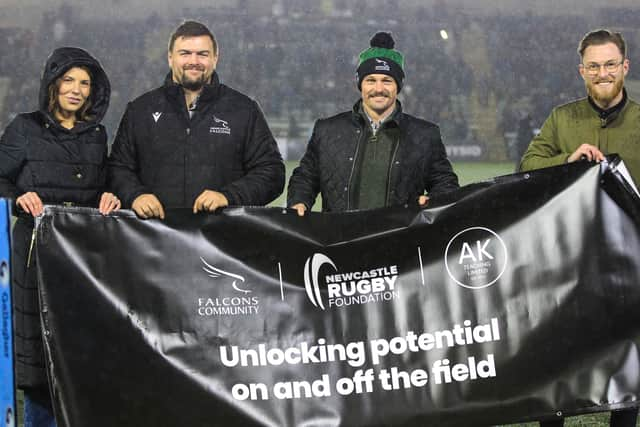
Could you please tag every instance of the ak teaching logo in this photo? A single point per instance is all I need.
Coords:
(343, 289)
(476, 258)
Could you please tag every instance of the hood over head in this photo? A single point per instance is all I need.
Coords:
(64, 58)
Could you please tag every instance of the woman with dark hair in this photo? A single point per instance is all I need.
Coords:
(56, 155)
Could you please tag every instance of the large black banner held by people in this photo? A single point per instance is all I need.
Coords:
(514, 299)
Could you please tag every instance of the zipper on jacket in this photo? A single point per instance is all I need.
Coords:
(393, 157)
(353, 167)
(33, 241)
(185, 159)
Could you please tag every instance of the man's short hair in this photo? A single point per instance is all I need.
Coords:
(600, 37)
(192, 29)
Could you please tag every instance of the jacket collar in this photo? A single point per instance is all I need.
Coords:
(359, 116)
(209, 91)
(609, 115)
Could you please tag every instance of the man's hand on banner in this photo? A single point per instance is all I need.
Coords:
(300, 207)
(148, 206)
(30, 202)
(210, 200)
(587, 151)
(108, 203)
(423, 201)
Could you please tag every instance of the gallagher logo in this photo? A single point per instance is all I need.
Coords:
(224, 305)
(353, 288)
(383, 66)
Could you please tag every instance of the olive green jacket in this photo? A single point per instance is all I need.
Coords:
(577, 123)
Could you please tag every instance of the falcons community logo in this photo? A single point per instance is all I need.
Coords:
(216, 272)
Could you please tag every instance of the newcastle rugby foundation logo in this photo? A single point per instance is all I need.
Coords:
(344, 289)
(239, 304)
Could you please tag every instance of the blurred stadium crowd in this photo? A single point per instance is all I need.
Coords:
(488, 80)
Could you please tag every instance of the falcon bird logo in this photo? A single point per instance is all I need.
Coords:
(224, 123)
(216, 272)
(383, 65)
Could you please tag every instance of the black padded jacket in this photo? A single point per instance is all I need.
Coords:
(62, 166)
(419, 162)
(225, 146)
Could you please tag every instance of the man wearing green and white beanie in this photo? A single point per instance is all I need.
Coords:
(374, 155)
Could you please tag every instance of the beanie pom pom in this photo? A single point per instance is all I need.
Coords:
(383, 40)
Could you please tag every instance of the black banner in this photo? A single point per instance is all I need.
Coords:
(511, 300)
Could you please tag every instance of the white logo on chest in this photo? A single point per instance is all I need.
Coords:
(222, 126)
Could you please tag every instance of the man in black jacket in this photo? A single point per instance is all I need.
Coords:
(374, 155)
(194, 142)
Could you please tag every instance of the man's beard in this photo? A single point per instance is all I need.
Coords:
(604, 99)
(191, 84)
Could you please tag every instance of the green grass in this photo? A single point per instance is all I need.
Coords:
(591, 420)
(473, 172)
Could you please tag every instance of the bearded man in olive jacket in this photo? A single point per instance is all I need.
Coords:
(607, 121)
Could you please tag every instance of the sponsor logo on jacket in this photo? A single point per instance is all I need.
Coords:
(221, 126)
